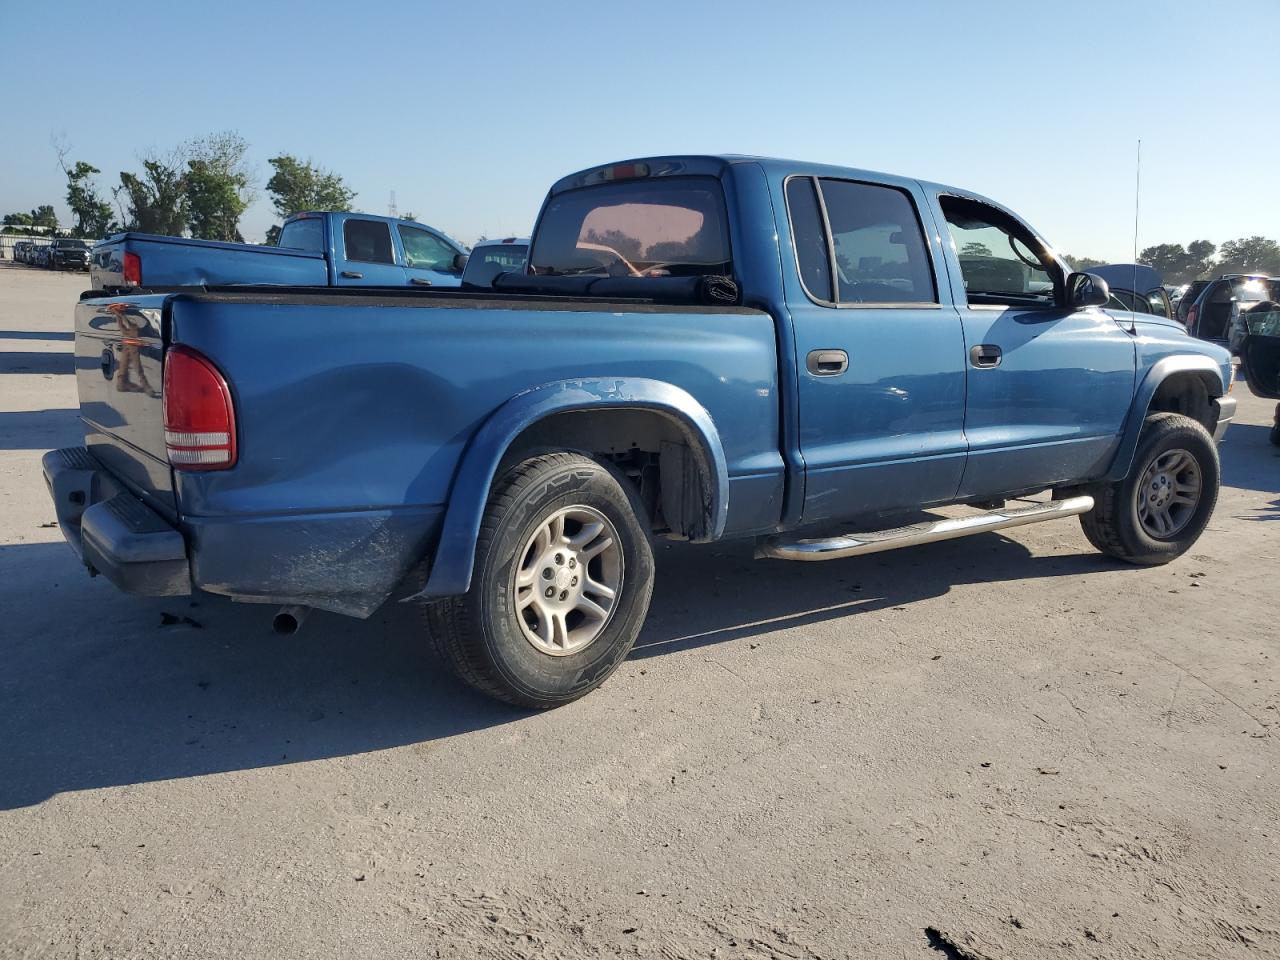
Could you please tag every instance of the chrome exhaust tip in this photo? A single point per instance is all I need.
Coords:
(288, 619)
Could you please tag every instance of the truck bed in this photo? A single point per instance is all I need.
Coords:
(179, 261)
(353, 411)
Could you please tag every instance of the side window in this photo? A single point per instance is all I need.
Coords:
(368, 241)
(425, 250)
(810, 238)
(305, 234)
(1000, 261)
(880, 250)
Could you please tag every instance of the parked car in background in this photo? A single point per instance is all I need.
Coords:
(67, 253)
(489, 258)
(783, 346)
(1220, 304)
(1135, 287)
(20, 248)
(39, 255)
(1189, 294)
(314, 250)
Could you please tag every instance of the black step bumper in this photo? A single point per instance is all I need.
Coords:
(111, 530)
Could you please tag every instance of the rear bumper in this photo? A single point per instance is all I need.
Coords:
(1226, 413)
(111, 530)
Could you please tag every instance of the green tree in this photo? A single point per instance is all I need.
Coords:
(156, 201)
(44, 216)
(218, 185)
(975, 249)
(1083, 263)
(92, 212)
(298, 185)
(19, 219)
(1177, 265)
(1201, 253)
(1249, 255)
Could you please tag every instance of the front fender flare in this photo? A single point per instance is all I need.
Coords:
(1160, 371)
(455, 553)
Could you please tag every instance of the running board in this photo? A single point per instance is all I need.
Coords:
(855, 545)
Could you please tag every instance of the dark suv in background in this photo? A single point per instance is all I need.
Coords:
(1216, 311)
(68, 254)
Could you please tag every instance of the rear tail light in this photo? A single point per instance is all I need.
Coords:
(199, 417)
(1192, 315)
(132, 270)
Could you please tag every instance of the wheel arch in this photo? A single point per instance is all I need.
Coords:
(1182, 384)
(515, 426)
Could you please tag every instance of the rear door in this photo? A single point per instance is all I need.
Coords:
(428, 258)
(879, 348)
(119, 375)
(367, 253)
(1049, 386)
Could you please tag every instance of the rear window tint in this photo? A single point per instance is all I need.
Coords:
(368, 241)
(661, 227)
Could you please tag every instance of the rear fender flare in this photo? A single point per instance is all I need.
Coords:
(455, 554)
(1160, 371)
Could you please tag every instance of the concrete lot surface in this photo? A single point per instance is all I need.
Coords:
(998, 747)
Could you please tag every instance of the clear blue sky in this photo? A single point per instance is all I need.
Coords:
(468, 111)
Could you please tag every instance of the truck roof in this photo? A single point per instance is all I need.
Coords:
(715, 165)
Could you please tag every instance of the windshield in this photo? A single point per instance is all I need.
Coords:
(71, 245)
(669, 227)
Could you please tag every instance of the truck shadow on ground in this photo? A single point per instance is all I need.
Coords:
(40, 429)
(100, 689)
(105, 690)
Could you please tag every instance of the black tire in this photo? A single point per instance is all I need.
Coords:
(479, 634)
(1113, 525)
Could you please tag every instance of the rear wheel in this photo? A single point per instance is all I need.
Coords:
(1160, 509)
(561, 585)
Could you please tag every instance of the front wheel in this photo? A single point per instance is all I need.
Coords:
(561, 585)
(1160, 509)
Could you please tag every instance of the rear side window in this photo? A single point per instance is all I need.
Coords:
(880, 250)
(368, 241)
(660, 227)
(305, 234)
(810, 238)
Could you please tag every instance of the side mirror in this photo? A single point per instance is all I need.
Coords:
(460, 262)
(1087, 290)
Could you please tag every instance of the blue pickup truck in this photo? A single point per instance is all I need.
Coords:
(314, 250)
(698, 348)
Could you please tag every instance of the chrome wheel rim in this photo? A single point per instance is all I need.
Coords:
(1168, 494)
(568, 580)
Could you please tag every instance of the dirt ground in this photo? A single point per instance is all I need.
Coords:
(998, 747)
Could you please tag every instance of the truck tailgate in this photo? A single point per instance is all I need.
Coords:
(119, 355)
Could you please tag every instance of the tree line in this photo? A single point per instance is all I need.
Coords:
(201, 189)
(1200, 259)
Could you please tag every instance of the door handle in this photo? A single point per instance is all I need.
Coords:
(352, 275)
(827, 363)
(420, 281)
(985, 355)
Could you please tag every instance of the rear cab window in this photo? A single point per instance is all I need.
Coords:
(304, 234)
(367, 241)
(659, 227)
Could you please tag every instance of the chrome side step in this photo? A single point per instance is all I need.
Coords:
(854, 545)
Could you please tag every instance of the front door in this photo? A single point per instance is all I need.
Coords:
(879, 347)
(428, 259)
(1049, 386)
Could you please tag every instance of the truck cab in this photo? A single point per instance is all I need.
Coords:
(365, 250)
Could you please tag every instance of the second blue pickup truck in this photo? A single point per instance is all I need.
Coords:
(314, 250)
(698, 348)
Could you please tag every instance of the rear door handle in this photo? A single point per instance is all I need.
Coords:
(985, 355)
(827, 363)
(420, 281)
(352, 275)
